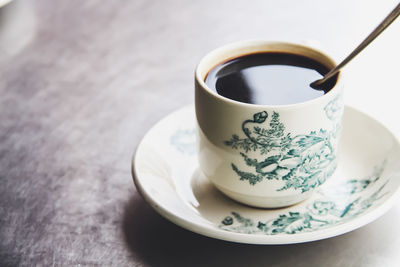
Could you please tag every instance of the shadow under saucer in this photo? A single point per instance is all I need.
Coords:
(157, 242)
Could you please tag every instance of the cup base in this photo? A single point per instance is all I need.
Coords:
(264, 202)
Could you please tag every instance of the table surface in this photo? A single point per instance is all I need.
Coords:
(81, 82)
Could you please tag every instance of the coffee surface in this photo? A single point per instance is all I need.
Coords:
(268, 79)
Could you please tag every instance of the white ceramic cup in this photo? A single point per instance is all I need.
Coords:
(266, 155)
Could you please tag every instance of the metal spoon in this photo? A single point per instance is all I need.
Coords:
(380, 28)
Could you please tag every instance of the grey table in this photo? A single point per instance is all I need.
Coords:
(82, 81)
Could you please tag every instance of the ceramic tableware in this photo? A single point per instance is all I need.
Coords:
(266, 155)
(365, 185)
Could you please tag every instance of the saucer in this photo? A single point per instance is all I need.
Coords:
(364, 186)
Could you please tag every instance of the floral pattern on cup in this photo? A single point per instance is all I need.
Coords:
(302, 162)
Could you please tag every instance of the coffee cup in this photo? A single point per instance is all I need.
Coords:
(266, 155)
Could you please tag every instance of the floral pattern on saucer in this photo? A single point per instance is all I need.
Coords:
(326, 210)
(184, 140)
(165, 171)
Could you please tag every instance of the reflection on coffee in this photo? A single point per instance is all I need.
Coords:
(268, 78)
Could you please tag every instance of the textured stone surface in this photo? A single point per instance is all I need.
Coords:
(82, 81)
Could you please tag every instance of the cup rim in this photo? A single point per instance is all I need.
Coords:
(237, 49)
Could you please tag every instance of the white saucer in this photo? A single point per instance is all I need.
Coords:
(363, 188)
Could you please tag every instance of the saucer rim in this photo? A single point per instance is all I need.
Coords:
(211, 231)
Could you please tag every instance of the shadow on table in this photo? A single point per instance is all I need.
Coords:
(157, 242)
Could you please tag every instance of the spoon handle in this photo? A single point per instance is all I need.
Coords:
(380, 28)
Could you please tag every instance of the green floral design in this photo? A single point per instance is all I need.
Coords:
(334, 109)
(332, 207)
(302, 162)
(184, 140)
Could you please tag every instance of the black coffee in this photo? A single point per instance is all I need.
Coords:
(268, 78)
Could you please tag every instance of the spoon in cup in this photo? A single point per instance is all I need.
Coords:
(379, 29)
